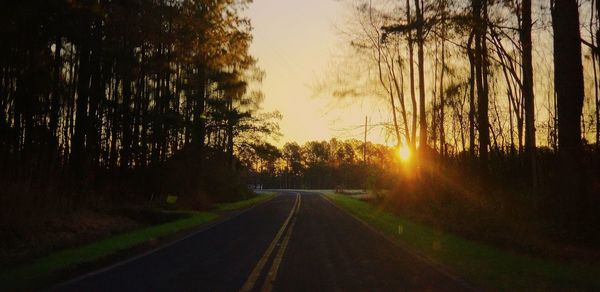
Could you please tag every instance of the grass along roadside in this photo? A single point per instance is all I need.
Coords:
(244, 203)
(44, 269)
(480, 264)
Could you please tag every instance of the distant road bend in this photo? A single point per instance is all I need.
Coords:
(297, 241)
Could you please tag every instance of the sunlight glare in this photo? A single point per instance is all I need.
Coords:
(404, 153)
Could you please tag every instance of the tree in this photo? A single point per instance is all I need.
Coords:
(124, 87)
(411, 65)
(568, 82)
(421, 71)
(479, 9)
(528, 95)
(294, 160)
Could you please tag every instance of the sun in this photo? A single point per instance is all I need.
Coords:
(404, 153)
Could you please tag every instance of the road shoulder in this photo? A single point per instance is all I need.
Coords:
(479, 264)
(446, 271)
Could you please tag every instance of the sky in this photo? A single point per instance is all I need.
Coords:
(297, 42)
(294, 41)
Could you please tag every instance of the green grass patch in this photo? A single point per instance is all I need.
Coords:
(44, 269)
(483, 265)
(245, 203)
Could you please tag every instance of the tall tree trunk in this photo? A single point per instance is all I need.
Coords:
(139, 135)
(484, 131)
(511, 127)
(156, 123)
(568, 78)
(421, 64)
(399, 85)
(596, 61)
(54, 109)
(568, 83)
(527, 91)
(81, 111)
(471, 55)
(394, 116)
(230, 133)
(199, 130)
(434, 96)
(411, 70)
(114, 126)
(479, 15)
(442, 92)
(97, 94)
(126, 107)
(389, 89)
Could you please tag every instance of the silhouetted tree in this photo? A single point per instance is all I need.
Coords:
(568, 82)
(97, 91)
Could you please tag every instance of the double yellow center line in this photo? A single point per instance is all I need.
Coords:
(272, 274)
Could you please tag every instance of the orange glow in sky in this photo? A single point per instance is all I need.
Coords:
(294, 41)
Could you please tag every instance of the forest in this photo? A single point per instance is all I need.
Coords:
(492, 108)
(498, 102)
(122, 103)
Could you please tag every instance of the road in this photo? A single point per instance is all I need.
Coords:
(294, 242)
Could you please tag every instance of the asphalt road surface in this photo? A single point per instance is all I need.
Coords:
(294, 242)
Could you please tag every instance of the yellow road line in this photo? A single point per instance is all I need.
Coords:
(272, 275)
(251, 281)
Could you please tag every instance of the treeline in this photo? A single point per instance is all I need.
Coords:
(490, 95)
(332, 164)
(480, 77)
(125, 99)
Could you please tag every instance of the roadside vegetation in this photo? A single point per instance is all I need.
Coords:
(42, 271)
(225, 207)
(109, 110)
(491, 110)
(484, 265)
(447, 193)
